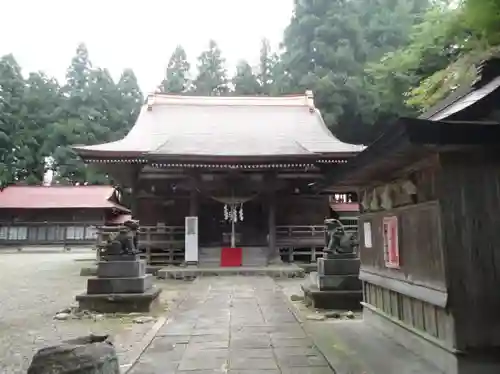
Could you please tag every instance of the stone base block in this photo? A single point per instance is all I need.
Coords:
(336, 300)
(337, 256)
(105, 257)
(119, 285)
(284, 271)
(339, 282)
(340, 266)
(119, 303)
(121, 269)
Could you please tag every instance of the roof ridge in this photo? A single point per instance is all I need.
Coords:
(57, 186)
(305, 100)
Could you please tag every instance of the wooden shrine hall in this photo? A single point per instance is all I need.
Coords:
(428, 229)
(236, 171)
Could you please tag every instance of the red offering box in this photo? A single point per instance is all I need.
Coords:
(231, 257)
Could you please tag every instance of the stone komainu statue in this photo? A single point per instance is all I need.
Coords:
(337, 240)
(125, 241)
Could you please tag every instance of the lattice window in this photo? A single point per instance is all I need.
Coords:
(4, 232)
(17, 233)
(90, 233)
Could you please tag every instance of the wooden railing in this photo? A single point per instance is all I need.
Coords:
(46, 233)
(159, 245)
(164, 245)
(306, 243)
(303, 243)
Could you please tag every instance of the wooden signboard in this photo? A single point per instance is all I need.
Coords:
(391, 242)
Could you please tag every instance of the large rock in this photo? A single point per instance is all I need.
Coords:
(86, 355)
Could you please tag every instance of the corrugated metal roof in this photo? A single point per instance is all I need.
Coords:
(227, 126)
(60, 197)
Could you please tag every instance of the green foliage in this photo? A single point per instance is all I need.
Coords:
(483, 16)
(245, 81)
(442, 54)
(177, 74)
(40, 121)
(327, 47)
(267, 62)
(212, 75)
(433, 43)
(366, 62)
(12, 111)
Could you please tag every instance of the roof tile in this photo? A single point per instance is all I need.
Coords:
(61, 197)
(227, 126)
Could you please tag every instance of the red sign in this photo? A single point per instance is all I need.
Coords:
(391, 242)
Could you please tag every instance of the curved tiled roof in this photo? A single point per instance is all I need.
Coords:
(171, 125)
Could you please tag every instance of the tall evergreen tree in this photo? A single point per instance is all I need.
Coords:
(131, 99)
(12, 109)
(329, 43)
(177, 74)
(88, 106)
(245, 81)
(212, 75)
(44, 101)
(266, 67)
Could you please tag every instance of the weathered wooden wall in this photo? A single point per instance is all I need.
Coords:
(50, 226)
(168, 210)
(52, 215)
(469, 189)
(420, 247)
(415, 293)
(301, 209)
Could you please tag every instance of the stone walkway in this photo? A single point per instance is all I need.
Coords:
(237, 325)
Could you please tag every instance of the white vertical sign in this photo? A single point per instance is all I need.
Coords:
(191, 240)
(367, 234)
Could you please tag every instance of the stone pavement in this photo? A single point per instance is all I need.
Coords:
(238, 325)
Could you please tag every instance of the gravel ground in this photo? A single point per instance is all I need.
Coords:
(35, 285)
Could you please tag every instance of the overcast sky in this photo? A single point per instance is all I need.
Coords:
(43, 34)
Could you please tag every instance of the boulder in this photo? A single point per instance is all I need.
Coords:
(85, 355)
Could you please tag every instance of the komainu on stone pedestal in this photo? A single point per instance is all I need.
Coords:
(121, 285)
(336, 284)
(86, 355)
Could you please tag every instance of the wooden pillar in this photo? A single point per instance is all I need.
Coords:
(273, 250)
(134, 185)
(193, 203)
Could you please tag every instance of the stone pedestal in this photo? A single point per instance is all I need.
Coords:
(121, 286)
(336, 284)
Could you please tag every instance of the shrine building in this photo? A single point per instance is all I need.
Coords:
(242, 167)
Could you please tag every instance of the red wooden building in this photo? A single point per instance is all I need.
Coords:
(56, 214)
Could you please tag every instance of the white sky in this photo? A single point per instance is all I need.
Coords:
(43, 34)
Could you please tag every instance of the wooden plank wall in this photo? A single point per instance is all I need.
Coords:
(420, 247)
(470, 209)
(422, 316)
